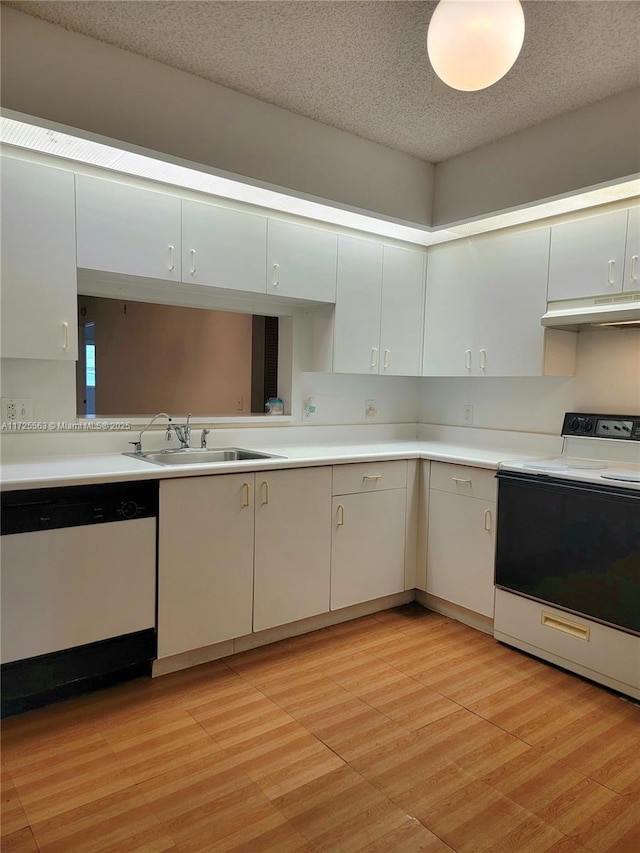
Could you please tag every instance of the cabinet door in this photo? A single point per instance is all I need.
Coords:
(402, 311)
(356, 331)
(587, 256)
(367, 558)
(449, 311)
(301, 261)
(293, 546)
(511, 298)
(224, 248)
(124, 229)
(39, 291)
(632, 254)
(460, 550)
(205, 561)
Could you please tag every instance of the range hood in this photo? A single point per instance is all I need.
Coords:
(621, 310)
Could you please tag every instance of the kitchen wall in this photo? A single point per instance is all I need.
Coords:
(607, 380)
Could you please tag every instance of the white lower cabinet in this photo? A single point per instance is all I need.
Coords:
(239, 552)
(461, 536)
(293, 546)
(368, 534)
(205, 561)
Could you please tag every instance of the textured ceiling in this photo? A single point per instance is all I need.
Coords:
(362, 66)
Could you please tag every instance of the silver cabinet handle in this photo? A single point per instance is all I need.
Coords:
(265, 493)
(610, 278)
(246, 488)
(467, 359)
(461, 482)
(65, 336)
(374, 356)
(372, 477)
(340, 515)
(634, 263)
(482, 359)
(387, 358)
(276, 275)
(194, 267)
(487, 520)
(172, 258)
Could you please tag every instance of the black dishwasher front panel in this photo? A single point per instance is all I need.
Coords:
(573, 545)
(27, 510)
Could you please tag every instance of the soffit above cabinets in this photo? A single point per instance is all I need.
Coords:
(362, 67)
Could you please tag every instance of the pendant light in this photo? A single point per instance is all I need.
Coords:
(473, 43)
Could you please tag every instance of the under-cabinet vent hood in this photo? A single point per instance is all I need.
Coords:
(572, 314)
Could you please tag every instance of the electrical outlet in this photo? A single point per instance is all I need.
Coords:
(17, 409)
(310, 407)
(370, 410)
(240, 404)
(467, 415)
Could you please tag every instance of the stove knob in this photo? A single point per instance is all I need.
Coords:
(574, 424)
(587, 426)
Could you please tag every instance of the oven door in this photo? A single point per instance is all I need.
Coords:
(573, 545)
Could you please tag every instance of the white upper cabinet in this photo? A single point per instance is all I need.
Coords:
(223, 248)
(301, 261)
(485, 298)
(125, 229)
(377, 326)
(358, 304)
(402, 311)
(587, 256)
(631, 280)
(39, 291)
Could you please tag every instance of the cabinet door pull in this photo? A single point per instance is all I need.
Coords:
(65, 336)
(374, 356)
(482, 359)
(172, 258)
(610, 278)
(372, 477)
(387, 357)
(194, 267)
(246, 500)
(634, 263)
(461, 482)
(487, 520)
(574, 629)
(467, 359)
(340, 515)
(276, 275)
(265, 493)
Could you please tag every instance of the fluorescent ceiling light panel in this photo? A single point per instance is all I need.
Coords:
(59, 143)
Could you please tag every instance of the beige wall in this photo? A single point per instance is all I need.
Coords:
(68, 78)
(593, 145)
(161, 358)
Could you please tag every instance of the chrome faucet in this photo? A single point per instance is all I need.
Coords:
(203, 439)
(183, 432)
(137, 445)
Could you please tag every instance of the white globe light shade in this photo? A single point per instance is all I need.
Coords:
(473, 43)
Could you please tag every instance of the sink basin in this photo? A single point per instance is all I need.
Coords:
(196, 456)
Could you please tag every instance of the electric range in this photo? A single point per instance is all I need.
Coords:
(568, 552)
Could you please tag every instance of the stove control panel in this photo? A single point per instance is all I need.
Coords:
(621, 427)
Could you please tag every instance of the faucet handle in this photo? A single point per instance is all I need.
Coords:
(137, 446)
(203, 439)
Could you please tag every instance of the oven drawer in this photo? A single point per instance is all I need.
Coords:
(596, 651)
(369, 477)
(464, 480)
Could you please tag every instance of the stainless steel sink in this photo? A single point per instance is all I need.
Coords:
(196, 456)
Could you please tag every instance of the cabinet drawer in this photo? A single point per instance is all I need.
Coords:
(464, 480)
(369, 477)
(567, 639)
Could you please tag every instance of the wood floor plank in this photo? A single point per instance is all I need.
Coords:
(397, 732)
(21, 841)
(120, 823)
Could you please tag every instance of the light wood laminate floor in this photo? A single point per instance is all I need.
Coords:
(399, 732)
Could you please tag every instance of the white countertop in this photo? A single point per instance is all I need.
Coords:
(112, 467)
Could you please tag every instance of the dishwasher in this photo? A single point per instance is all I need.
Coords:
(78, 585)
